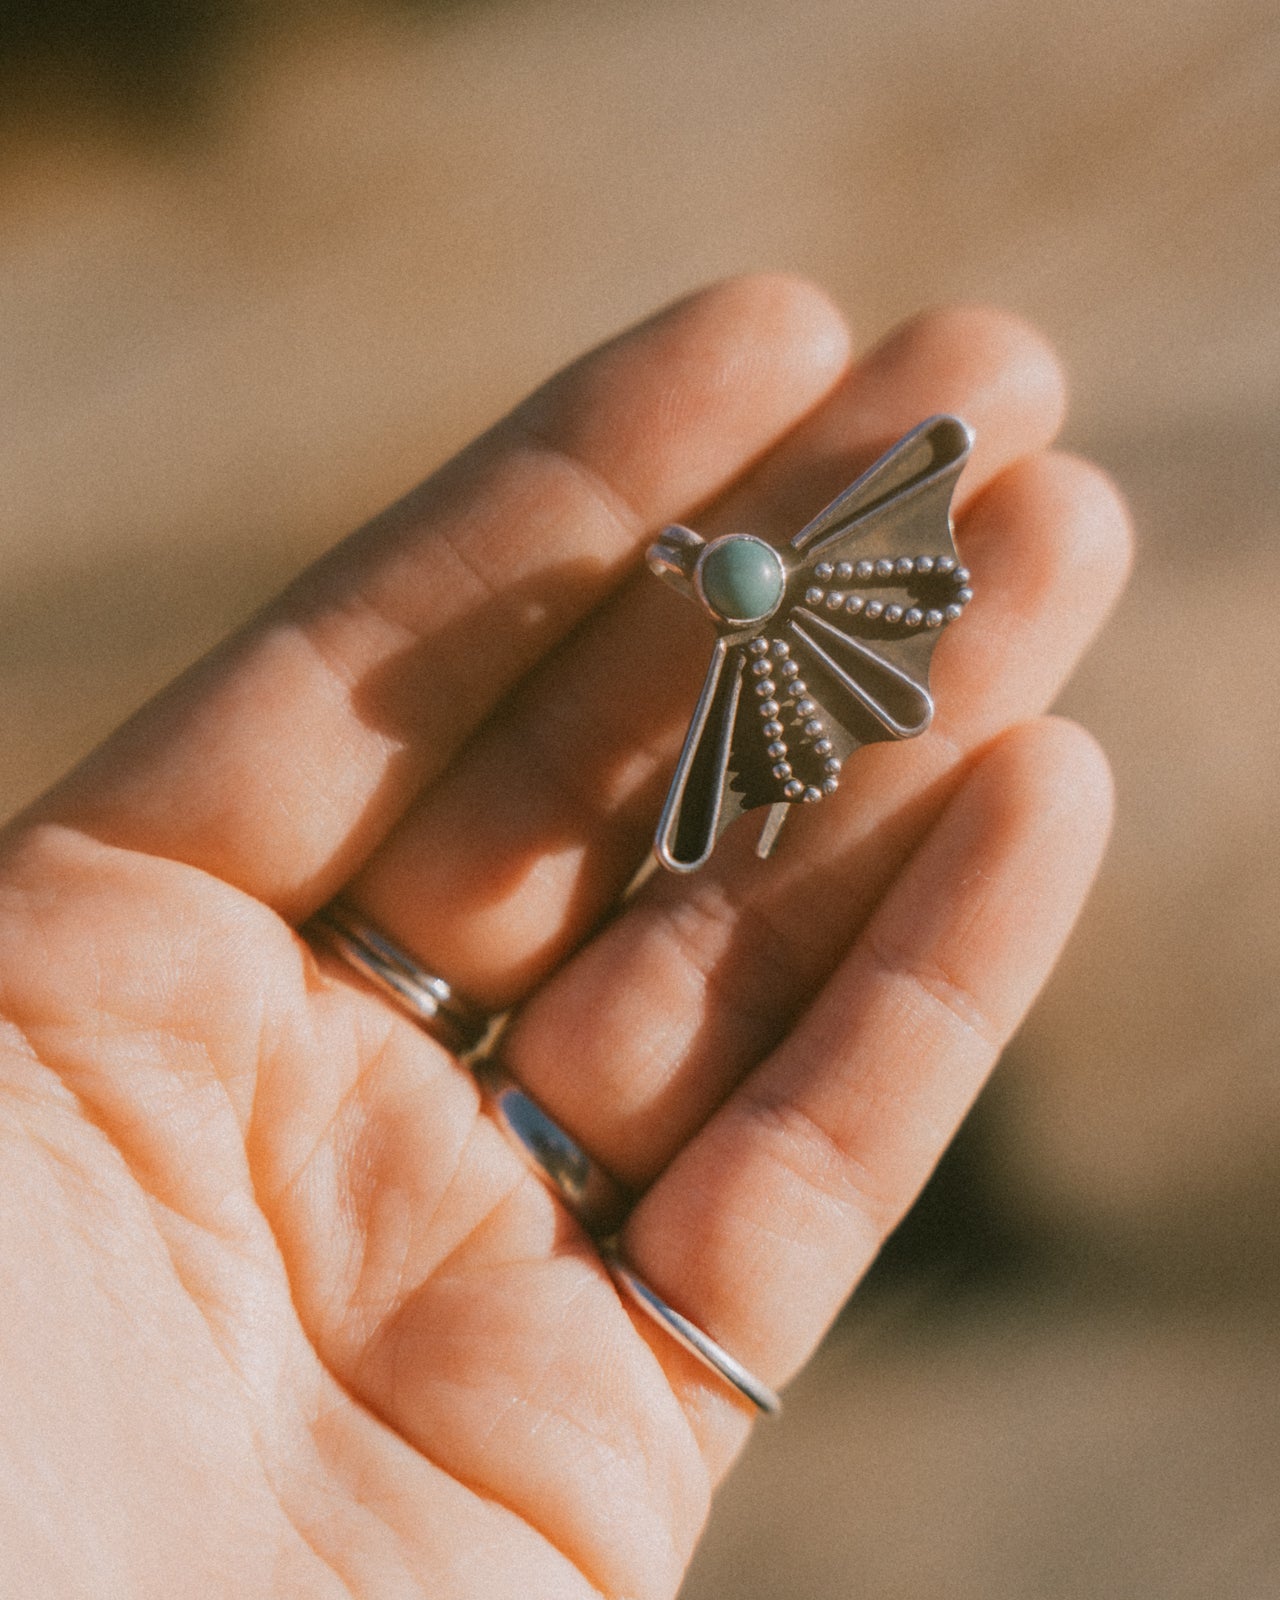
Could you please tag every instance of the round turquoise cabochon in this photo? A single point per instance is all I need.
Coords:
(741, 578)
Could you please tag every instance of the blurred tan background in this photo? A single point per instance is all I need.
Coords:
(261, 269)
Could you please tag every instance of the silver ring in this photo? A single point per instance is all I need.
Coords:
(598, 1200)
(428, 999)
(692, 1337)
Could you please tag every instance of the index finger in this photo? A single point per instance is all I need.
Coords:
(280, 760)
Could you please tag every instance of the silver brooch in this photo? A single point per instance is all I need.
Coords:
(824, 645)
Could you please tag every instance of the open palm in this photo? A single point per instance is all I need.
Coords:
(283, 1314)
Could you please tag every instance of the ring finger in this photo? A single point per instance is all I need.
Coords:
(640, 1035)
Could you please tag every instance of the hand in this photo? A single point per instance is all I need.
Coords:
(283, 1313)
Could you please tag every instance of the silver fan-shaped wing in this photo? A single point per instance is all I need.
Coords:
(907, 485)
(722, 770)
(870, 673)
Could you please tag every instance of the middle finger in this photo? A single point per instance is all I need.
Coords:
(505, 864)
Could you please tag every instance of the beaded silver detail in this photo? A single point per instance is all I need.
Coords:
(903, 570)
(803, 736)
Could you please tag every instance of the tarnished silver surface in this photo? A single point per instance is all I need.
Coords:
(839, 659)
(691, 1336)
(428, 999)
(596, 1199)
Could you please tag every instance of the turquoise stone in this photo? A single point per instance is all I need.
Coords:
(741, 579)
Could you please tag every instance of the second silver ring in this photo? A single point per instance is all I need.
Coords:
(596, 1198)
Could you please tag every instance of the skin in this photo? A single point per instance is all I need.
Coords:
(284, 1315)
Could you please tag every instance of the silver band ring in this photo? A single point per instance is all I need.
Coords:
(692, 1337)
(428, 999)
(598, 1200)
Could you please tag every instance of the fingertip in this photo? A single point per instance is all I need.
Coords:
(790, 312)
(1101, 521)
(983, 350)
(1059, 526)
(677, 406)
(990, 366)
(766, 333)
(1052, 778)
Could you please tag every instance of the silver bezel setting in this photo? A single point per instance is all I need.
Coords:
(738, 538)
